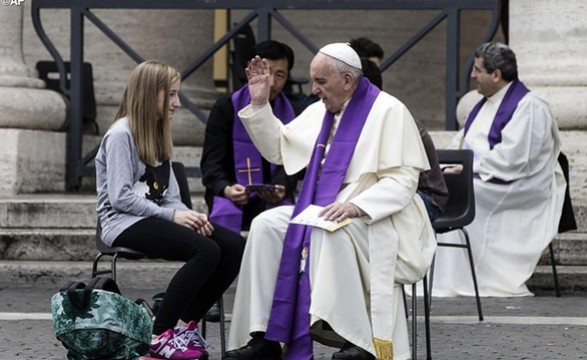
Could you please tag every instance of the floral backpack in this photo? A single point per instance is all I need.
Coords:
(96, 322)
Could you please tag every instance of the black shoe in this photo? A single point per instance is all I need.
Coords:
(258, 348)
(213, 314)
(352, 352)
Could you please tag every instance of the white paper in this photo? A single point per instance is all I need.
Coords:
(309, 216)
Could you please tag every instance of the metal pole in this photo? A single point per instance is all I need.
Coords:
(75, 130)
(452, 67)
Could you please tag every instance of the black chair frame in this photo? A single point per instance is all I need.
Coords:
(554, 272)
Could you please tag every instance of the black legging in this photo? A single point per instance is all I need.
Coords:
(211, 265)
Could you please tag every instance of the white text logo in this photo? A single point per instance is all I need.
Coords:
(11, 2)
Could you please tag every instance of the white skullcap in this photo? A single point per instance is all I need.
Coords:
(343, 52)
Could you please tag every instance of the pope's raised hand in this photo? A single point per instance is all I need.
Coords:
(258, 76)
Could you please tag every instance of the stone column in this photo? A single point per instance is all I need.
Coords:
(24, 104)
(549, 40)
(29, 115)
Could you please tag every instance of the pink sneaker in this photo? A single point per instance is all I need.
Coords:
(178, 344)
(192, 335)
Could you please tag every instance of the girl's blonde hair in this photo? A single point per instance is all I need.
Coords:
(152, 135)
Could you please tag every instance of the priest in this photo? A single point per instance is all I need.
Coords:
(297, 283)
(230, 161)
(518, 183)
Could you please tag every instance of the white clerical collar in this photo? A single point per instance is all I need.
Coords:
(498, 96)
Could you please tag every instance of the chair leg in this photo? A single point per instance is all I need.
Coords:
(203, 322)
(431, 281)
(427, 318)
(95, 264)
(222, 328)
(470, 253)
(405, 302)
(113, 266)
(554, 272)
(414, 323)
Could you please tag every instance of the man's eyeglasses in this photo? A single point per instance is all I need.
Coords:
(477, 70)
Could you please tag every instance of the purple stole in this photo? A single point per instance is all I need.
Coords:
(504, 114)
(289, 320)
(248, 163)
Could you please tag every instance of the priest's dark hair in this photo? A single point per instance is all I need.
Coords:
(275, 50)
(372, 72)
(498, 56)
(366, 47)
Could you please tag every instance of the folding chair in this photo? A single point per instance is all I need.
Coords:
(122, 252)
(460, 209)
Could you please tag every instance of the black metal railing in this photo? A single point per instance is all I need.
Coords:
(264, 12)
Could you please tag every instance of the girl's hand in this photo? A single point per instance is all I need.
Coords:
(206, 227)
(193, 220)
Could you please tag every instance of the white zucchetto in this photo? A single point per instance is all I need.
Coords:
(343, 52)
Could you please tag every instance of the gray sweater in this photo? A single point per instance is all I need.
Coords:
(126, 190)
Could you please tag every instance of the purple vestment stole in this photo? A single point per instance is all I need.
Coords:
(289, 320)
(504, 114)
(248, 163)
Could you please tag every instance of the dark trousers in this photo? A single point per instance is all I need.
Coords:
(211, 265)
(433, 210)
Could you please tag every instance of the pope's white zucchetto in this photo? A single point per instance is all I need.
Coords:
(343, 52)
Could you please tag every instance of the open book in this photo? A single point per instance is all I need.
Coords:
(309, 216)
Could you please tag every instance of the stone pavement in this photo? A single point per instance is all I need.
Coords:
(542, 327)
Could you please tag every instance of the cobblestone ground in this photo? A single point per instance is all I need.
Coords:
(543, 327)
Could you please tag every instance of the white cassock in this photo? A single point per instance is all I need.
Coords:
(514, 222)
(381, 180)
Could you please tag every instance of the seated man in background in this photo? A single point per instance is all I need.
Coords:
(363, 154)
(519, 186)
(230, 161)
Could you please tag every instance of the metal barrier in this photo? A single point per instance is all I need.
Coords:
(264, 11)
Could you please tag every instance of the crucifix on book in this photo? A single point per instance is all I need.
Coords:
(249, 170)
